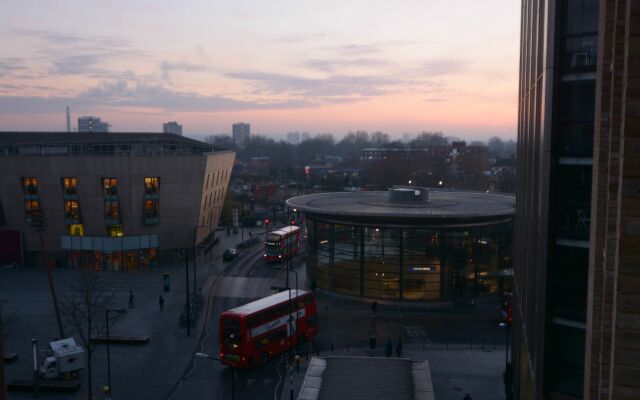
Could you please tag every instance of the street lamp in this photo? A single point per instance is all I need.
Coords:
(195, 255)
(233, 376)
(506, 341)
(106, 317)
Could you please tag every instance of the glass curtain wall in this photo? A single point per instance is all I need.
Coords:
(412, 263)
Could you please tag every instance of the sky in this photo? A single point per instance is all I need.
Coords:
(317, 66)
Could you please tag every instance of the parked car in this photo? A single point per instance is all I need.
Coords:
(230, 254)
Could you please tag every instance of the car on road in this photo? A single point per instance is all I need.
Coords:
(230, 254)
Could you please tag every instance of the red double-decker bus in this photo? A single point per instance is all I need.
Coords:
(282, 244)
(253, 333)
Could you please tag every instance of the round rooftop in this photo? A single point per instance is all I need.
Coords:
(441, 207)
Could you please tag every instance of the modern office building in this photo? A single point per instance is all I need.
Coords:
(408, 243)
(241, 133)
(172, 127)
(112, 201)
(576, 326)
(92, 124)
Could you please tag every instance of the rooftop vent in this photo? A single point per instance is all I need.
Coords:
(408, 194)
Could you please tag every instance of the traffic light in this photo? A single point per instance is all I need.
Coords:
(266, 221)
(293, 221)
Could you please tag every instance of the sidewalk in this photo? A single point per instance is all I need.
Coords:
(138, 370)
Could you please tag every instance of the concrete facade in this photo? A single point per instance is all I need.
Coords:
(192, 187)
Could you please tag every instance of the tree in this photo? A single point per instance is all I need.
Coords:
(427, 139)
(84, 308)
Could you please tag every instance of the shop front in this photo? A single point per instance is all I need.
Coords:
(111, 253)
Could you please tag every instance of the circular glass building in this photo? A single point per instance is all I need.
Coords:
(408, 243)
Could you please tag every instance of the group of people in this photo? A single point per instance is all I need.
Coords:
(132, 298)
(388, 348)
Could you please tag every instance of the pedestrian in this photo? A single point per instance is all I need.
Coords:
(161, 303)
(250, 235)
(388, 350)
(399, 348)
(372, 342)
(374, 308)
(131, 299)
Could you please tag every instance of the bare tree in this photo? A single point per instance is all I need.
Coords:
(84, 309)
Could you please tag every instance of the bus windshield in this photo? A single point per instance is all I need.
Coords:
(231, 332)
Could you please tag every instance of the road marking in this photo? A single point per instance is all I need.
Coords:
(415, 331)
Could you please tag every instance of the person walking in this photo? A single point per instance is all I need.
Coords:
(388, 350)
(131, 297)
(372, 342)
(399, 348)
(161, 303)
(250, 235)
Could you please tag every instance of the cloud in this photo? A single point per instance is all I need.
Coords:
(167, 67)
(126, 94)
(10, 65)
(444, 66)
(300, 38)
(320, 88)
(338, 63)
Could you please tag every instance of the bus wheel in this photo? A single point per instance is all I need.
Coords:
(264, 357)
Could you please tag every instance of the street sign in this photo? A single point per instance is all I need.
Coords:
(235, 217)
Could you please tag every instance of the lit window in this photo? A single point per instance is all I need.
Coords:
(110, 186)
(69, 185)
(151, 208)
(151, 185)
(72, 210)
(30, 185)
(111, 209)
(31, 207)
(76, 230)
(115, 230)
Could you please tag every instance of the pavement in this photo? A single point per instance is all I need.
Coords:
(138, 371)
(464, 345)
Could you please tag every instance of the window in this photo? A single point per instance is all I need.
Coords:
(114, 230)
(31, 207)
(30, 186)
(151, 208)
(151, 185)
(76, 230)
(71, 210)
(112, 209)
(110, 186)
(69, 186)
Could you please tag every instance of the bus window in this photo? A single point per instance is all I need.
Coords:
(231, 332)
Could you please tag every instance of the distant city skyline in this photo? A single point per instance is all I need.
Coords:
(317, 66)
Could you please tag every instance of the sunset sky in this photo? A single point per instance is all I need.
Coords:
(316, 66)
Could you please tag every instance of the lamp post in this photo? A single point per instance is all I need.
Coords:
(233, 376)
(36, 375)
(106, 317)
(506, 343)
(195, 255)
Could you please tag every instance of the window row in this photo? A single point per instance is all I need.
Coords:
(109, 186)
(216, 178)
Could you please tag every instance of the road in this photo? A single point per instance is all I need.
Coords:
(245, 279)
